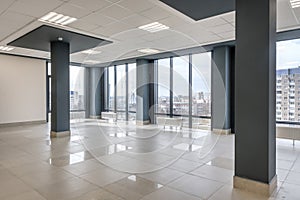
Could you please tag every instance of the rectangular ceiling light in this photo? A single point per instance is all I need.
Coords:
(6, 48)
(295, 3)
(91, 51)
(56, 18)
(149, 51)
(154, 27)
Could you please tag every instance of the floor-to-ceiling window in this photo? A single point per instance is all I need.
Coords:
(163, 86)
(111, 88)
(77, 91)
(181, 84)
(121, 91)
(184, 89)
(201, 90)
(132, 91)
(288, 82)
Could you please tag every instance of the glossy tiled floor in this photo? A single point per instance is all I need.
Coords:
(119, 161)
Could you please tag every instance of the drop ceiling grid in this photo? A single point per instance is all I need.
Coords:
(119, 19)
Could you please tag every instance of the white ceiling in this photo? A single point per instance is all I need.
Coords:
(117, 20)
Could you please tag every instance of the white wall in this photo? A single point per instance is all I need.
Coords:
(22, 89)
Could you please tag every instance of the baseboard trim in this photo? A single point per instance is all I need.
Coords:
(141, 123)
(222, 131)
(95, 117)
(61, 134)
(255, 186)
(23, 123)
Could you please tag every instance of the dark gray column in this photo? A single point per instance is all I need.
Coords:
(60, 89)
(96, 92)
(145, 91)
(255, 157)
(221, 90)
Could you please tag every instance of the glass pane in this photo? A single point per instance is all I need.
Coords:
(77, 88)
(163, 81)
(181, 85)
(201, 81)
(288, 81)
(111, 88)
(132, 90)
(121, 88)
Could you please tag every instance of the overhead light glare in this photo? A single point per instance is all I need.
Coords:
(154, 27)
(58, 19)
(6, 48)
(149, 51)
(295, 3)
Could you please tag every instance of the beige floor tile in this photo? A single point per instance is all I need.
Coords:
(133, 187)
(66, 189)
(214, 173)
(169, 193)
(197, 186)
(30, 195)
(163, 176)
(98, 194)
(103, 176)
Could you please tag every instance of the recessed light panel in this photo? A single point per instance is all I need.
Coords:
(91, 51)
(56, 18)
(154, 27)
(6, 48)
(295, 3)
(149, 51)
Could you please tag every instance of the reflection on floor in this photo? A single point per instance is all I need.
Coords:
(124, 161)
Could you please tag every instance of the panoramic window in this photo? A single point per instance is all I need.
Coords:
(288, 81)
(132, 91)
(163, 90)
(111, 88)
(121, 91)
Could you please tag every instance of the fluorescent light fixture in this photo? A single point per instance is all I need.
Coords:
(91, 51)
(56, 18)
(6, 48)
(154, 27)
(295, 3)
(148, 51)
(91, 62)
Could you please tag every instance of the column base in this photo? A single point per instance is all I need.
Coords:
(95, 117)
(255, 186)
(142, 123)
(222, 131)
(54, 134)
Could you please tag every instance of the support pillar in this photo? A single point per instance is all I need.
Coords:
(96, 92)
(60, 89)
(255, 144)
(145, 92)
(221, 90)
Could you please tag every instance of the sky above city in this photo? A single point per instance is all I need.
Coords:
(288, 54)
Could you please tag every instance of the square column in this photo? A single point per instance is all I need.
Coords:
(60, 89)
(221, 90)
(255, 81)
(145, 91)
(96, 92)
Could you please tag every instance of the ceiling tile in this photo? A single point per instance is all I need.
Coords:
(221, 28)
(116, 12)
(98, 19)
(92, 5)
(113, 30)
(136, 5)
(156, 13)
(136, 20)
(5, 4)
(83, 25)
(35, 8)
(229, 17)
(212, 21)
(72, 10)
